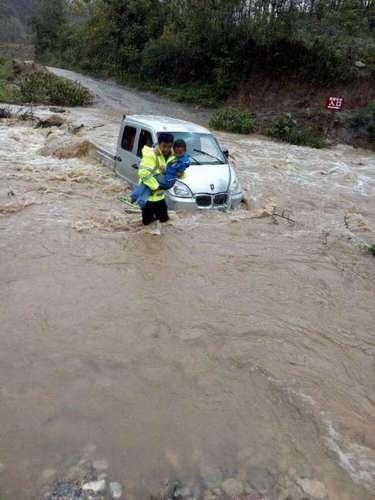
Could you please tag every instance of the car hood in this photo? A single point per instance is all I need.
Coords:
(208, 178)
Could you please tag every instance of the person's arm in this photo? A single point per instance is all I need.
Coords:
(145, 173)
(183, 164)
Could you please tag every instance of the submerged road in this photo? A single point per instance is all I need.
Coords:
(122, 99)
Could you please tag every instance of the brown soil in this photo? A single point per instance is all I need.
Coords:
(22, 68)
(286, 94)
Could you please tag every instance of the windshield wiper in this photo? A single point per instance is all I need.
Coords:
(193, 158)
(208, 154)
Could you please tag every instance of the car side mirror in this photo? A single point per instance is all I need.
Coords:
(226, 153)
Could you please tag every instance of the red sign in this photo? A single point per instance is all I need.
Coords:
(335, 103)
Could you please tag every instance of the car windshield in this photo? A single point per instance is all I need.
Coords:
(202, 148)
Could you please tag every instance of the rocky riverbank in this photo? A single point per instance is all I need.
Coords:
(90, 478)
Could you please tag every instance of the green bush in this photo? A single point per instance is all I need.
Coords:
(9, 92)
(285, 128)
(5, 94)
(199, 94)
(232, 120)
(5, 69)
(362, 122)
(157, 56)
(43, 87)
(203, 95)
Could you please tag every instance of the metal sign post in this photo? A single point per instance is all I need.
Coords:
(333, 104)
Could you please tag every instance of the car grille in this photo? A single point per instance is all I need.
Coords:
(220, 199)
(203, 200)
(208, 200)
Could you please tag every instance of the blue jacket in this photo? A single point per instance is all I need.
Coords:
(177, 167)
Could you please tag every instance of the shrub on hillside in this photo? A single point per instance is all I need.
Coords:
(232, 120)
(5, 74)
(156, 57)
(285, 128)
(201, 94)
(43, 87)
(5, 69)
(362, 122)
(5, 94)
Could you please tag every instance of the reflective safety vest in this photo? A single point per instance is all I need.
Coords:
(153, 163)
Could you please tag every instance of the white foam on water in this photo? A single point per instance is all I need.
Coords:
(358, 461)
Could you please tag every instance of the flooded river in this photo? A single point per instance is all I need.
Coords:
(237, 342)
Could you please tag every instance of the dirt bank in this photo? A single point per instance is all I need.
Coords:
(268, 97)
(286, 94)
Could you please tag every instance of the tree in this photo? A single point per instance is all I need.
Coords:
(47, 23)
(14, 15)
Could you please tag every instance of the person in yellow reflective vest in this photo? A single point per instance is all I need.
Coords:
(154, 162)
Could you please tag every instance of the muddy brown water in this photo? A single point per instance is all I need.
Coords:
(230, 340)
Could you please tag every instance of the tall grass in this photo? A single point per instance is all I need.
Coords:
(45, 88)
(39, 87)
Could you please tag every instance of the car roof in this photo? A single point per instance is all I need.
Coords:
(166, 124)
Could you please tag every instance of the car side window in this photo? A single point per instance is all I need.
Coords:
(145, 139)
(128, 138)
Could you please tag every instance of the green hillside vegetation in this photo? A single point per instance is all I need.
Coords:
(31, 84)
(209, 42)
(14, 17)
(209, 51)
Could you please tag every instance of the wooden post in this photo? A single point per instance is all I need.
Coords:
(330, 124)
(333, 104)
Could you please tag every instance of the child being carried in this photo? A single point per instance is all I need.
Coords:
(175, 169)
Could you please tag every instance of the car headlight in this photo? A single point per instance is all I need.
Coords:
(234, 185)
(181, 190)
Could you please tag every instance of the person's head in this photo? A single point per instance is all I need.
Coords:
(165, 143)
(179, 147)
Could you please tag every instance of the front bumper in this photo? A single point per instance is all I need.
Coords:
(204, 201)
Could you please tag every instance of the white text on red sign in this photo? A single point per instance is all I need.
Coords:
(335, 103)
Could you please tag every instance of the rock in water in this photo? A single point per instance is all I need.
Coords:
(51, 121)
(209, 496)
(115, 489)
(232, 488)
(314, 488)
(261, 479)
(57, 110)
(212, 476)
(95, 486)
(5, 113)
(182, 492)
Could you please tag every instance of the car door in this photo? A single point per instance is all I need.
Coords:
(127, 160)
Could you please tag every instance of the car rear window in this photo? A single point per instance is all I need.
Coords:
(128, 138)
